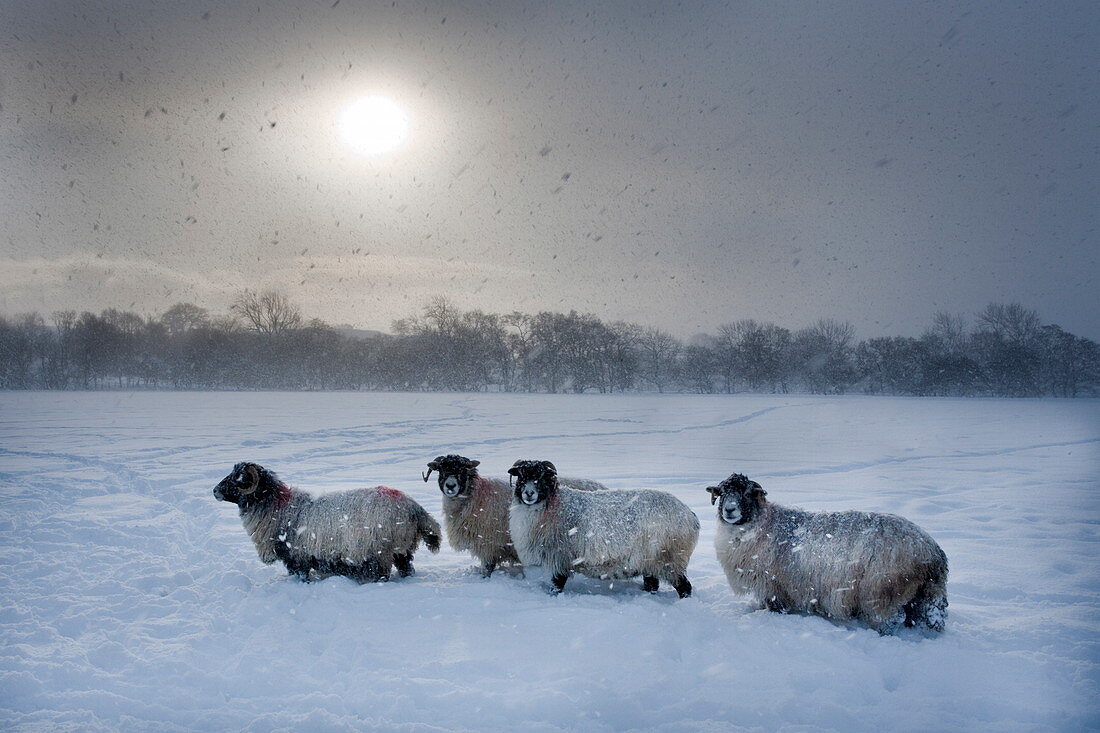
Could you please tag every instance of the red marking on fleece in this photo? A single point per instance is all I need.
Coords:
(481, 491)
(389, 493)
(282, 495)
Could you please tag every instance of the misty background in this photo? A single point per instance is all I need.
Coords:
(672, 168)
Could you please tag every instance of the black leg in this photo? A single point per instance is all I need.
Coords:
(488, 568)
(404, 565)
(558, 582)
(370, 571)
(375, 572)
(775, 605)
(682, 586)
(911, 610)
(650, 584)
(298, 570)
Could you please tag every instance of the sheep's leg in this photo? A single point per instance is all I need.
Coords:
(376, 571)
(775, 604)
(682, 586)
(887, 625)
(298, 570)
(650, 584)
(404, 564)
(558, 582)
(488, 568)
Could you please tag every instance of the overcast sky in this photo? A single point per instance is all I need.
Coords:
(678, 165)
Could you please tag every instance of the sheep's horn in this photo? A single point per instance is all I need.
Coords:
(429, 473)
(254, 472)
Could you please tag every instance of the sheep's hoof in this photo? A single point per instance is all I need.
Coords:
(682, 586)
(404, 565)
(650, 584)
(558, 584)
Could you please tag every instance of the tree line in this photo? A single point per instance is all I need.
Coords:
(264, 342)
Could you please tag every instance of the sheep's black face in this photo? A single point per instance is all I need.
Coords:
(739, 500)
(536, 481)
(456, 474)
(241, 485)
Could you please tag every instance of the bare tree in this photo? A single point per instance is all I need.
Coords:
(1009, 341)
(659, 353)
(725, 354)
(182, 317)
(1011, 321)
(268, 312)
(825, 355)
(948, 332)
(698, 366)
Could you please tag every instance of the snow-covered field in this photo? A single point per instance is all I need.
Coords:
(131, 599)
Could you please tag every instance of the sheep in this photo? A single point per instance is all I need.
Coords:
(475, 509)
(360, 534)
(601, 534)
(880, 569)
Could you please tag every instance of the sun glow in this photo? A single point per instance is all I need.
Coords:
(374, 125)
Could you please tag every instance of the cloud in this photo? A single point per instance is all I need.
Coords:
(88, 282)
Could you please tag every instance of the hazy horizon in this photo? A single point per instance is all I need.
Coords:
(969, 321)
(678, 167)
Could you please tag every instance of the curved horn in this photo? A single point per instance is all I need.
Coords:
(254, 472)
(553, 469)
(432, 466)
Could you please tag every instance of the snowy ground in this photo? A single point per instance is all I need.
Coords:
(130, 598)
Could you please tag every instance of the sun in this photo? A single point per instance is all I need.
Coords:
(374, 125)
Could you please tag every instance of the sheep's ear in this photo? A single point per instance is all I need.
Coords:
(475, 464)
(757, 489)
(714, 493)
(514, 470)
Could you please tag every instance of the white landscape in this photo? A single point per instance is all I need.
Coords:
(131, 599)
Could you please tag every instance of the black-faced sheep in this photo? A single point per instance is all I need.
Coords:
(475, 509)
(601, 534)
(361, 533)
(880, 569)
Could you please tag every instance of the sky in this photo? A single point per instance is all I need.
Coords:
(678, 165)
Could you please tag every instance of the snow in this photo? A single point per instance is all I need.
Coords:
(130, 598)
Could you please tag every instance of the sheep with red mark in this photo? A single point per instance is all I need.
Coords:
(475, 509)
(361, 534)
